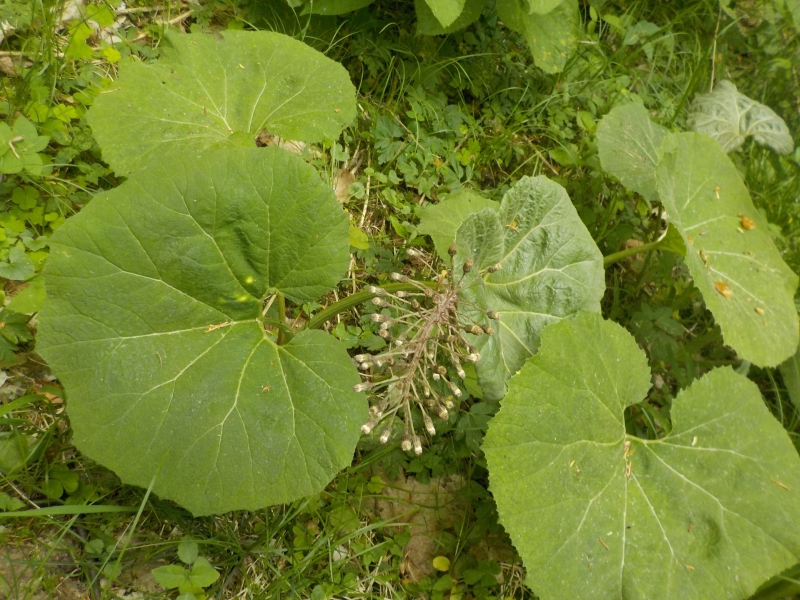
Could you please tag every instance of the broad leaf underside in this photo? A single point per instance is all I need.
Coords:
(203, 90)
(152, 323)
(550, 269)
(710, 511)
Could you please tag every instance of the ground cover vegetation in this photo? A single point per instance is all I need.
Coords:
(451, 299)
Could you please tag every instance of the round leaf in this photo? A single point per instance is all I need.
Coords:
(153, 324)
(550, 269)
(729, 250)
(205, 89)
(710, 511)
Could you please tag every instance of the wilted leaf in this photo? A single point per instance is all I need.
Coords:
(442, 220)
(729, 117)
(206, 90)
(628, 143)
(550, 269)
(552, 37)
(741, 274)
(710, 511)
(153, 324)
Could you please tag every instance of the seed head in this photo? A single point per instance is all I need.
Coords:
(386, 433)
(453, 249)
(405, 444)
(378, 291)
(468, 265)
(417, 445)
(494, 268)
(398, 277)
(454, 388)
(487, 330)
(369, 425)
(493, 315)
(428, 424)
(362, 387)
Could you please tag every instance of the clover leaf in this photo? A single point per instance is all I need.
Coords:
(206, 91)
(550, 268)
(710, 511)
(153, 322)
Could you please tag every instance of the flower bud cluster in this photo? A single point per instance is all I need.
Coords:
(426, 345)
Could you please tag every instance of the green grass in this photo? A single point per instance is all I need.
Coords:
(435, 115)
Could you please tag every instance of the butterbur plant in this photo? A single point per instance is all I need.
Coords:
(166, 321)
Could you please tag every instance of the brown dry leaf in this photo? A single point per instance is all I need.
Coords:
(429, 507)
(13, 65)
(341, 184)
(723, 288)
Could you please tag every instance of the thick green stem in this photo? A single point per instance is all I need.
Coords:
(345, 304)
(618, 256)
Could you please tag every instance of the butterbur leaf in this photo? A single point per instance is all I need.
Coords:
(739, 271)
(730, 117)
(442, 220)
(550, 268)
(153, 325)
(428, 24)
(710, 511)
(446, 11)
(628, 143)
(552, 37)
(206, 90)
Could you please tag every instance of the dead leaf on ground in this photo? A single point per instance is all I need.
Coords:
(430, 509)
(341, 184)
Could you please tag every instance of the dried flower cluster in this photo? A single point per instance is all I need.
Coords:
(425, 334)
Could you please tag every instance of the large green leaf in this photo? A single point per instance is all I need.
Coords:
(205, 90)
(542, 7)
(550, 269)
(710, 511)
(552, 37)
(428, 24)
(628, 143)
(730, 117)
(730, 253)
(446, 11)
(442, 220)
(153, 324)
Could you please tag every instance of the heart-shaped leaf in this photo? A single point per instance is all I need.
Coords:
(729, 251)
(153, 323)
(205, 90)
(446, 11)
(730, 117)
(428, 24)
(442, 220)
(552, 37)
(628, 143)
(550, 268)
(710, 511)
